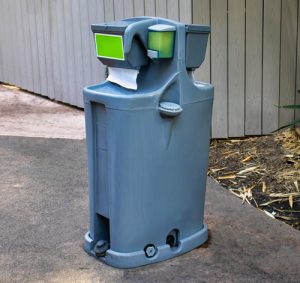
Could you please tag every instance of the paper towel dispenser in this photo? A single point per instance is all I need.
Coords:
(123, 44)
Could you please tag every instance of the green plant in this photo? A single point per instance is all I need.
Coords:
(292, 123)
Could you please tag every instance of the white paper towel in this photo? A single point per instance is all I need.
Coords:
(123, 77)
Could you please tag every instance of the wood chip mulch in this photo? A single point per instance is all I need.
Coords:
(263, 171)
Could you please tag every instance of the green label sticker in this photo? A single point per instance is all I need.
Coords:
(109, 46)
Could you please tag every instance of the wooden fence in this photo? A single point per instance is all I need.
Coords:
(46, 47)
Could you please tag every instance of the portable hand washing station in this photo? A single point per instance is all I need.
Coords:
(148, 131)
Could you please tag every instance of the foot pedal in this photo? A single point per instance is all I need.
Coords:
(100, 248)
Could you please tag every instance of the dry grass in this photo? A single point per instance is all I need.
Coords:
(263, 171)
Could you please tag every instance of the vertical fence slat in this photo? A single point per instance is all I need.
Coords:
(54, 45)
(68, 22)
(201, 15)
(62, 51)
(14, 41)
(92, 20)
(271, 55)
(150, 7)
(219, 67)
(95, 16)
(288, 59)
(297, 112)
(119, 9)
(21, 59)
(185, 11)
(18, 42)
(254, 17)
(128, 8)
(77, 47)
(100, 17)
(41, 47)
(85, 38)
(236, 67)
(8, 42)
(34, 47)
(47, 27)
(139, 8)
(173, 10)
(108, 10)
(161, 8)
(27, 47)
(1, 43)
(5, 42)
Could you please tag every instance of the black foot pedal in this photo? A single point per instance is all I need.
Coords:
(100, 248)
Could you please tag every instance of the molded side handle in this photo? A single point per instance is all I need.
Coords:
(169, 109)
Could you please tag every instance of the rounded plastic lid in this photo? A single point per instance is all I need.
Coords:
(162, 27)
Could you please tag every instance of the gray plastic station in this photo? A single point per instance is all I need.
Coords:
(148, 148)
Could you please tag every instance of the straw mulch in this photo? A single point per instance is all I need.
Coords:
(262, 171)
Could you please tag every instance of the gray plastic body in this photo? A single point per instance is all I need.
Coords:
(147, 166)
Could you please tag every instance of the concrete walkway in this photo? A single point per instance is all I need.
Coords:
(44, 215)
(29, 115)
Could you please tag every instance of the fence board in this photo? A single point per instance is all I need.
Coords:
(271, 55)
(219, 67)
(101, 69)
(20, 39)
(40, 46)
(150, 7)
(297, 112)
(253, 92)
(119, 9)
(45, 23)
(85, 41)
(161, 8)
(68, 22)
(8, 43)
(128, 8)
(185, 11)
(15, 43)
(139, 8)
(55, 30)
(62, 51)
(201, 15)
(288, 59)
(236, 67)
(95, 16)
(77, 47)
(26, 47)
(108, 10)
(1, 43)
(173, 10)
(92, 20)
(34, 47)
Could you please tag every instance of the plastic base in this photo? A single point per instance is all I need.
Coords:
(138, 258)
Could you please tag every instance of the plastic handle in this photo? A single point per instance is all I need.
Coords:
(169, 109)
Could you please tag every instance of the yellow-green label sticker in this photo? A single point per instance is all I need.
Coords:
(109, 46)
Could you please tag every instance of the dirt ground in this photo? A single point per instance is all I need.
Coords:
(263, 171)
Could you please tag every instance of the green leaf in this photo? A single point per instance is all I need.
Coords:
(288, 125)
